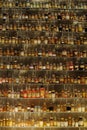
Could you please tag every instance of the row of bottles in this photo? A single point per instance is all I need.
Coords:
(52, 79)
(38, 66)
(47, 27)
(42, 40)
(47, 16)
(46, 4)
(43, 51)
(52, 121)
(45, 107)
(42, 92)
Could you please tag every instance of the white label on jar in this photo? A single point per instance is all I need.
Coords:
(58, 123)
(9, 95)
(8, 66)
(66, 123)
(12, 95)
(53, 95)
(41, 123)
(81, 66)
(22, 53)
(64, 53)
(61, 67)
(48, 124)
(62, 124)
(67, 16)
(39, 41)
(76, 124)
(71, 67)
(46, 41)
(83, 109)
(80, 123)
(79, 109)
(85, 42)
(44, 67)
(58, 109)
(16, 109)
(35, 41)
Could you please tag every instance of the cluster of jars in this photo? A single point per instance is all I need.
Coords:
(63, 15)
(43, 40)
(44, 4)
(44, 27)
(47, 16)
(52, 121)
(40, 66)
(53, 79)
(43, 51)
(45, 107)
(44, 93)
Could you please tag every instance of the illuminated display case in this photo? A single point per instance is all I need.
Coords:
(43, 64)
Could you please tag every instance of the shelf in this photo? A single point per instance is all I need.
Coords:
(41, 70)
(40, 128)
(42, 57)
(54, 99)
(43, 31)
(46, 21)
(40, 113)
(43, 9)
(45, 84)
(58, 45)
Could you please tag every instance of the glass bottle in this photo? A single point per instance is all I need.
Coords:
(62, 122)
(80, 122)
(42, 92)
(83, 108)
(71, 65)
(76, 65)
(32, 107)
(81, 65)
(85, 122)
(10, 121)
(76, 123)
(66, 123)
(79, 109)
(69, 121)
(55, 121)
(33, 93)
(44, 107)
(51, 121)
(83, 93)
(80, 28)
(41, 123)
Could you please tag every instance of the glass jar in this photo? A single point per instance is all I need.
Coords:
(69, 121)
(83, 108)
(62, 122)
(79, 108)
(80, 122)
(51, 121)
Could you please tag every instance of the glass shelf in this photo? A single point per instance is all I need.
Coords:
(47, 21)
(43, 31)
(53, 99)
(43, 57)
(45, 84)
(48, 128)
(43, 9)
(59, 113)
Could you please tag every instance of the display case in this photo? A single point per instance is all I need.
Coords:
(43, 64)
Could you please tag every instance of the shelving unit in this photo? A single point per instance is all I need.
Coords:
(43, 64)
